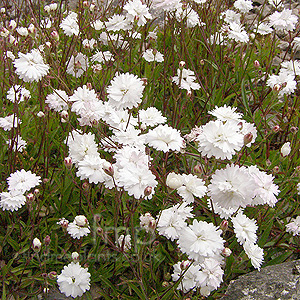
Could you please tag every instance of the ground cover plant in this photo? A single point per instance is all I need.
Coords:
(149, 149)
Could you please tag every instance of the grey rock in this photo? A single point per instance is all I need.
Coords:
(278, 282)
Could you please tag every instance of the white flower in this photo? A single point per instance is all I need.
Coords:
(76, 231)
(117, 22)
(248, 128)
(287, 83)
(189, 277)
(186, 79)
(264, 29)
(284, 20)
(9, 122)
(298, 188)
(23, 31)
(31, 67)
(97, 25)
(12, 200)
(224, 213)
(172, 220)
(226, 113)
(200, 240)
(130, 136)
(293, 226)
(167, 5)
(153, 55)
(91, 168)
(81, 220)
(174, 181)
(147, 222)
(125, 91)
(69, 24)
(124, 242)
(191, 186)
(244, 228)
(296, 43)
(74, 280)
(81, 145)
(102, 57)
(136, 10)
(18, 94)
(232, 187)
(77, 65)
(36, 244)
(151, 117)
(58, 100)
(17, 143)
(231, 16)
(210, 275)
(89, 44)
(243, 6)
(220, 139)
(165, 138)
(265, 191)
(22, 181)
(291, 67)
(189, 15)
(285, 149)
(238, 33)
(135, 180)
(255, 253)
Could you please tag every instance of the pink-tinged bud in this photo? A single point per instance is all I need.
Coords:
(85, 3)
(64, 114)
(81, 221)
(108, 168)
(68, 162)
(224, 225)
(92, 7)
(85, 185)
(276, 169)
(148, 191)
(31, 29)
(181, 64)
(99, 231)
(47, 240)
(256, 64)
(97, 218)
(36, 245)
(55, 35)
(89, 85)
(48, 44)
(156, 243)
(145, 81)
(45, 180)
(184, 264)
(294, 129)
(248, 138)
(44, 275)
(165, 284)
(75, 256)
(52, 275)
(277, 87)
(189, 94)
(63, 223)
(37, 191)
(276, 128)
(198, 169)
(30, 197)
(268, 162)
(2, 10)
(12, 25)
(95, 123)
(226, 252)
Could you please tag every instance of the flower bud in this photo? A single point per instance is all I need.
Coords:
(285, 149)
(47, 8)
(48, 44)
(184, 264)
(37, 191)
(53, 6)
(174, 181)
(248, 138)
(52, 275)
(85, 185)
(31, 29)
(224, 225)
(145, 81)
(276, 169)
(47, 240)
(64, 114)
(277, 87)
(55, 35)
(30, 197)
(276, 128)
(108, 168)
(75, 256)
(81, 221)
(294, 129)
(147, 191)
(256, 64)
(36, 245)
(85, 3)
(89, 85)
(4, 32)
(92, 7)
(226, 252)
(12, 25)
(63, 223)
(2, 10)
(40, 114)
(11, 39)
(181, 64)
(198, 169)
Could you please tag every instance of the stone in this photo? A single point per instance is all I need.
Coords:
(278, 282)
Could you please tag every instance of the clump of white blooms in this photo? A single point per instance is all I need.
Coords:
(58, 100)
(79, 227)
(136, 10)
(18, 94)
(74, 280)
(185, 79)
(70, 24)
(153, 55)
(283, 20)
